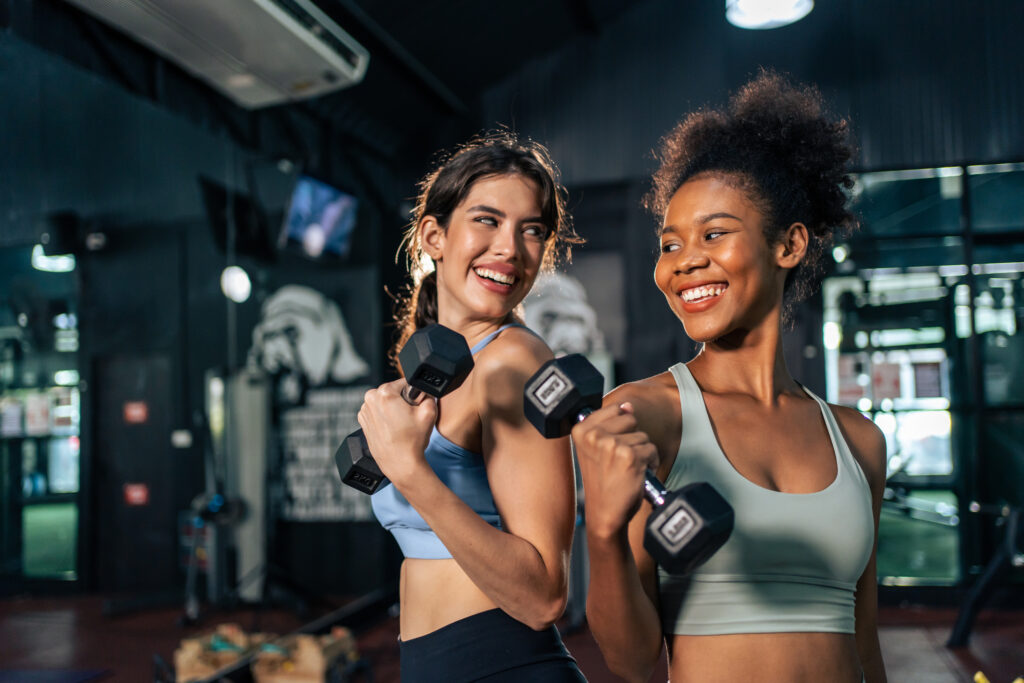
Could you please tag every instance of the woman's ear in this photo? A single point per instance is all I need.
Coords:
(432, 236)
(792, 248)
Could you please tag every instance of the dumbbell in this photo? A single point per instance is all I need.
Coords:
(686, 526)
(434, 361)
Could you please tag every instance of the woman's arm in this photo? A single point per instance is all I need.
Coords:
(621, 603)
(522, 568)
(868, 446)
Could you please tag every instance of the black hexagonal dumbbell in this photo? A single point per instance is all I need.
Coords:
(686, 526)
(434, 361)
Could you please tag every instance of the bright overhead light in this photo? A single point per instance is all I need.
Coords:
(235, 284)
(759, 14)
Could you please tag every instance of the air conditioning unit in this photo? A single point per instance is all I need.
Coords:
(257, 52)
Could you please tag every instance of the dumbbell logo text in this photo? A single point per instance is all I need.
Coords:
(359, 480)
(675, 524)
(678, 526)
(434, 379)
(551, 389)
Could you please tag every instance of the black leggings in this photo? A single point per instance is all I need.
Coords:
(490, 646)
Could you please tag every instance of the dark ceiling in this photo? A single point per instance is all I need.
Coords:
(429, 62)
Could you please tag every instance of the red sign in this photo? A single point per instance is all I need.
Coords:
(136, 494)
(885, 381)
(136, 412)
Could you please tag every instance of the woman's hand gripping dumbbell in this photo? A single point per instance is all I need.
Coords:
(434, 361)
(686, 526)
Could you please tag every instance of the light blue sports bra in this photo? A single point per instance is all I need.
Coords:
(792, 561)
(460, 469)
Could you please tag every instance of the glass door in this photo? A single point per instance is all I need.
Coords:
(893, 350)
(40, 410)
(923, 311)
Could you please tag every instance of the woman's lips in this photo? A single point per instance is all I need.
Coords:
(496, 278)
(700, 298)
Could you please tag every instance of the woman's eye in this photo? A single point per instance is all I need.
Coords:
(668, 246)
(713, 234)
(538, 231)
(487, 220)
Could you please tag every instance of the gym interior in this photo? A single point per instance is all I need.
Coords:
(180, 354)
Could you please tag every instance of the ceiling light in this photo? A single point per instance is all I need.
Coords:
(760, 14)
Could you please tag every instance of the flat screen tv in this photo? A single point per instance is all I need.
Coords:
(319, 220)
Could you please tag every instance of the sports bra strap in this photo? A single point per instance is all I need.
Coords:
(489, 338)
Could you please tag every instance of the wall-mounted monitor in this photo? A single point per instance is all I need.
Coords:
(319, 220)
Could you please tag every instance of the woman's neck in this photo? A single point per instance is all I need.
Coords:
(747, 362)
(472, 329)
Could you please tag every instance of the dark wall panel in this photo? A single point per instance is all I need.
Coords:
(925, 84)
(76, 141)
(132, 546)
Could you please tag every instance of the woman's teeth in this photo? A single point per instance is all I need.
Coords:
(698, 293)
(496, 276)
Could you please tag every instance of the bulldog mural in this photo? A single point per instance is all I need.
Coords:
(302, 341)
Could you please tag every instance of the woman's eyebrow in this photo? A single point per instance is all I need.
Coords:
(501, 214)
(718, 214)
(702, 220)
(488, 209)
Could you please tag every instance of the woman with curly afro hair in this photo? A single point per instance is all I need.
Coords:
(748, 198)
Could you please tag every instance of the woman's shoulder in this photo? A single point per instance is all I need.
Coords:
(651, 390)
(515, 348)
(865, 439)
(501, 369)
(655, 402)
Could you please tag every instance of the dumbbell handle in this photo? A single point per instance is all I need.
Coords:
(654, 490)
(411, 394)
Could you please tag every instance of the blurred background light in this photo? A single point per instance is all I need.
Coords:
(235, 284)
(52, 264)
(762, 14)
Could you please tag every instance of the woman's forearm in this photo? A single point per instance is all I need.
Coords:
(620, 614)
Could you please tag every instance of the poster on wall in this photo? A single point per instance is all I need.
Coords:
(309, 435)
(852, 379)
(37, 414)
(11, 413)
(302, 340)
(557, 309)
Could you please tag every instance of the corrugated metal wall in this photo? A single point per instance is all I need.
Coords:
(925, 83)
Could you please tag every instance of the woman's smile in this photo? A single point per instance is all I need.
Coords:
(701, 297)
(497, 277)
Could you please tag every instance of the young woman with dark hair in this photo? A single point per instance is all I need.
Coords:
(748, 198)
(482, 506)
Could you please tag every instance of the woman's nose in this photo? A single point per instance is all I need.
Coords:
(506, 241)
(691, 258)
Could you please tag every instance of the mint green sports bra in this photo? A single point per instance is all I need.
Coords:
(792, 561)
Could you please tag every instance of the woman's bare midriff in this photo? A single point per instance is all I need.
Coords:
(435, 593)
(765, 657)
